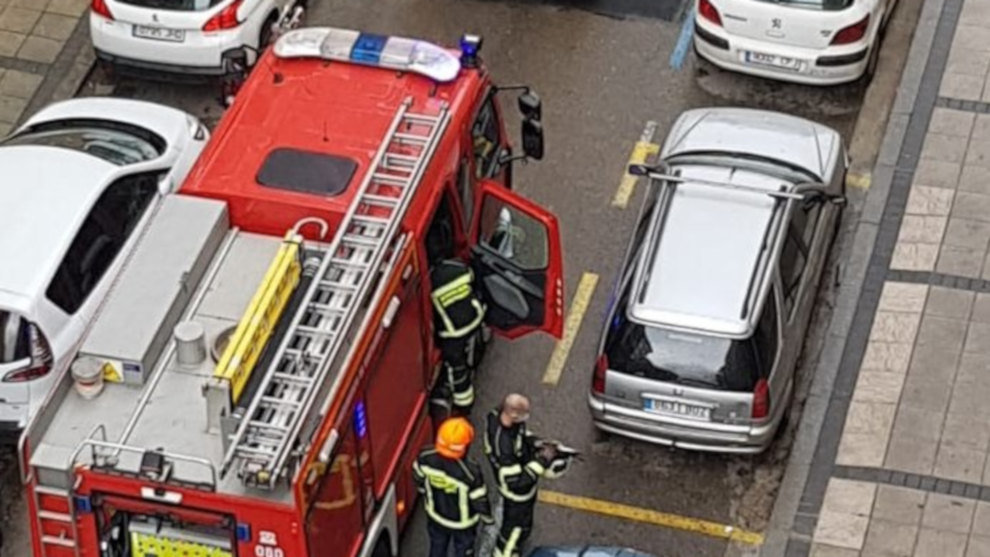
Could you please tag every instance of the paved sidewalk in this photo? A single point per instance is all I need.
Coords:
(45, 54)
(901, 464)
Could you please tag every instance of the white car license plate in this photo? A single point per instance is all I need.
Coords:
(677, 409)
(159, 33)
(773, 60)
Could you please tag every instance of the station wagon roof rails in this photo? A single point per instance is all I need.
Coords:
(660, 173)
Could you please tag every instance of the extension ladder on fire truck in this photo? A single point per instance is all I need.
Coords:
(317, 333)
(55, 513)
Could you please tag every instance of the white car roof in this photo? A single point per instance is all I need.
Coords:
(45, 195)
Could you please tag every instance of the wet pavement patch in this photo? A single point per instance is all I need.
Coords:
(667, 10)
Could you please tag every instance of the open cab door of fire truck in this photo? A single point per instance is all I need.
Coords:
(516, 256)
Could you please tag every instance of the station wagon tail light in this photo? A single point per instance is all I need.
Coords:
(708, 11)
(41, 360)
(598, 380)
(226, 19)
(853, 33)
(761, 399)
(100, 8)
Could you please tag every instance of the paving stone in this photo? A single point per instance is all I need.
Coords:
(981, 308)
(10, 42)
(969, 37)
(971, 398)
(969, 205)
(68, 7)
(962, 430)
(911, 454)
(979, 546)
(922, 229)
(986, 91)
(967, 233)
(947, 334)
(11, 108)
(887, 356)
(55, 26)
(33, 4)
(976, 12)
(19, 84)
(975, 179)
(39, 49)
(895, 327)
(978, 338)
(899, 504)
(825, 550)
(981, 125)
(949, 302)
(937, 174)
(926, 200)
(972, 368)
(955, 122)
(967, 63)
(5, 128)
(890, 538)
(19, 20)
(849, 496)
(919, 423)
(961, 261)
(841, 529)
(962, 464)
(952, 514)
(961, 86)
(981, 519)
(862, 449)
(914, 257)
(948, 148)
(903, 297)
(878, 386)
(978, 153)
(939, 543)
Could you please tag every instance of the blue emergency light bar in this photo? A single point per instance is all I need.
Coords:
(394, 53)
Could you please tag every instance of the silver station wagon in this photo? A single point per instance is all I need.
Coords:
(709, 313)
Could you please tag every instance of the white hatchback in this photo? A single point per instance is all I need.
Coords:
(81, 180)
(189, 37)
(816, 42)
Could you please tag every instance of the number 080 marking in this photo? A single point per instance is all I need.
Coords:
(268, 551)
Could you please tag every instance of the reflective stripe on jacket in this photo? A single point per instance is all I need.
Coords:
(458, 310)
(455, 493)
(516, 463)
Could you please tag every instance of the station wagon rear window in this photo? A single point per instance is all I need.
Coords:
(821, 4)
(177, 5)
(306, 172)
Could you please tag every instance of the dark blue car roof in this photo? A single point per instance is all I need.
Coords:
(586, 551)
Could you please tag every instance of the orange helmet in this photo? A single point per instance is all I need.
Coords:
(453, 438)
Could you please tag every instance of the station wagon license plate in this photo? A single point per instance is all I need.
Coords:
(764, 59)
(677, 409)
(160, 33)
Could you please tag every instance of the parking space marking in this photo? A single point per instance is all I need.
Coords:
(647, 516)
(859, 181)
(575, 315)
(643, 149)
(683, 41)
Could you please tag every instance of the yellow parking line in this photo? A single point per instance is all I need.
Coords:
(656, 518)
(579, 305)
(860, 181)
(643, 149)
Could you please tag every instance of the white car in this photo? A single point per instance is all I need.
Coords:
(190, 37)
(81, 179)
(815, 42)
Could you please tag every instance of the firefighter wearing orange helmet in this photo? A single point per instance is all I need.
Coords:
(456, 497)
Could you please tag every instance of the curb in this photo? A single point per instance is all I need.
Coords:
(67, 73)
(788, 510)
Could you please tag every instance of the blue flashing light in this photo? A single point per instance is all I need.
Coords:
(83, 504)
(368, 48)
(360, 420)
(243, 532)
(470, 46)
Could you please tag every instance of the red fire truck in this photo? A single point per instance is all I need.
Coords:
(257, 382)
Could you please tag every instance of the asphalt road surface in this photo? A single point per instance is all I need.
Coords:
(603, 70)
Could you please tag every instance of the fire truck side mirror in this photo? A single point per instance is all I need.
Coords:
(531, 106)
(532, 138)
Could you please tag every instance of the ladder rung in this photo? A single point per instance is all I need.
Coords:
(338, 286)
(360, 240)
(421, 118)
(350, 263)
(412, 138)
(288, 377)
(57, 517)
(272, 401)
(254, 451)
(381, 200)
(369, 220)
(53, 491)
(312, 331)
(408, 160)
(391, 180)
(57, 540)
(266, 425)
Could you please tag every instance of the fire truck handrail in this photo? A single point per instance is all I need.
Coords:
(121, 447)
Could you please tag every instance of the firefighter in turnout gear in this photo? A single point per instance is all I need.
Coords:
(456, 498)
(517, 464)
(459, 317)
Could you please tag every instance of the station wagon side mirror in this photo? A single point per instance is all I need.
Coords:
(532, 138)
(531, 106)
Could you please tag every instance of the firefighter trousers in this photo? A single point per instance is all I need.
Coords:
(517, 525)
(441, 537)
(461, 356)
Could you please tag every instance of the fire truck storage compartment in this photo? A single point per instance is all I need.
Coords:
(137, 530)
(155, 285)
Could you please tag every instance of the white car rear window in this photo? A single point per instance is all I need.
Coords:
(178, 5)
